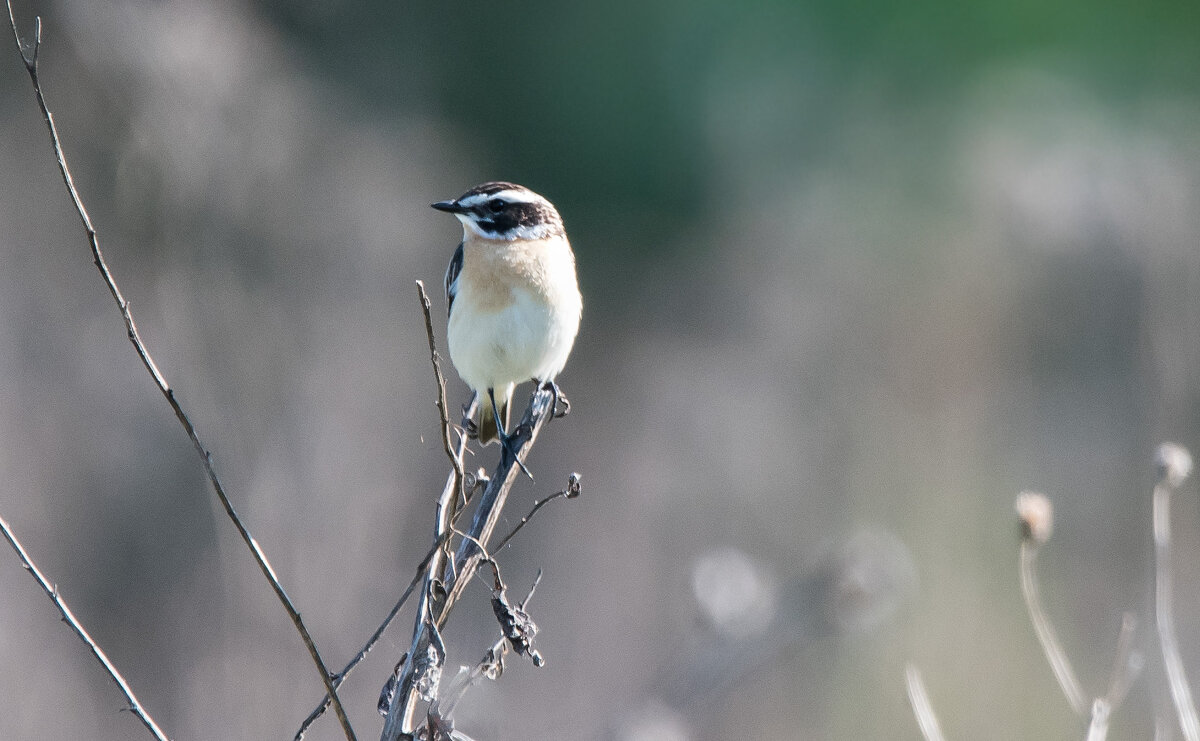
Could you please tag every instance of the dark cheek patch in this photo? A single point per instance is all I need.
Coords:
(505, 220)
(498, 223)
(513, 216)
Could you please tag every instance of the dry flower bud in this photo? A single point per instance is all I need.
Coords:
(1036, 515)
(1174, 463)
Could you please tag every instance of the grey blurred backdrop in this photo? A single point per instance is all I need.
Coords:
(855, 273)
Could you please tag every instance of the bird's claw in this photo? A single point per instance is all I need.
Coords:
(557, 397)
(469, 425)
(471, 428)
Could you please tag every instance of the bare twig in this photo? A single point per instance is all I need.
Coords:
(1126, 664)
(51, 591)
(457, 573)
(454, 483)
(432, 591)
(1059, 663)
(374, 639)
(370, 644)
(1036, 516)
(922, 708)
(491, 503)
(455, 456)
(1098, 726)
(572, 491)
(30, 60)
(491, 666)
(1174, 466)
(430, 605)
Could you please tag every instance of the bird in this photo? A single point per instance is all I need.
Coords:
(513, 300)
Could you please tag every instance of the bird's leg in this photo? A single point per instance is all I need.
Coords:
(505, 439)
(556, 392)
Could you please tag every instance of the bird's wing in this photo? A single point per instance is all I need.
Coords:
(452, 271)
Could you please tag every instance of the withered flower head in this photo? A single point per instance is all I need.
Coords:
(1036, 515)
(1174, 463)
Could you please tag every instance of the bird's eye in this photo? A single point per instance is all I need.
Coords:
(495, 205)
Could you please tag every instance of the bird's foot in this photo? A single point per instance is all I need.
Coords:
(559, 398)
(471, 428)
(469, 425)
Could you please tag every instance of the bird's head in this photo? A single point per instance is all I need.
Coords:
(504, 211)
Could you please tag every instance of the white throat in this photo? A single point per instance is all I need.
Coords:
(525, 233)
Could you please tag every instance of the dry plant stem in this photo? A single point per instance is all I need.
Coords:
(491, 502)
(260, 558)
(402, 715)
(922, 708)
(1098, 727)
(444, 512)
(1046, 635)
(1125, 669)
(374, 639)
(69, 618)
(370, 644)
(430, 602)
(561, 494)
(453, 485)
(1181, 694)
(454, 456)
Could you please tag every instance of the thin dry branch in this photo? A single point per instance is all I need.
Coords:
(374, 639)
(918, 697)
(573, 489)
(1059, 663)
(1098, 726)
(448, 504)
(31, 59)
(431, 603)
(402, 716)
(1174, 466)
(454, 451)
(454, 455)
(135, 706)
(491, 502)
(1126, 666)
(370, 644)
(1036, 516)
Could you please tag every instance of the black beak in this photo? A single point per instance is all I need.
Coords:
(450, 207)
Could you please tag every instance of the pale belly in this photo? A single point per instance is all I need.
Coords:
(520, 342)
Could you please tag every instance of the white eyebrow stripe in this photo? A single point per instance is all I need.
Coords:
(509, 195)
(517, 196)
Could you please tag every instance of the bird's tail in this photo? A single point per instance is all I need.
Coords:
(487, 429)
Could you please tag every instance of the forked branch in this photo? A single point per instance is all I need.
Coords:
(1174, 465)
(30, 59)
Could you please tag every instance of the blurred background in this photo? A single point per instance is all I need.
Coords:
(855, 274)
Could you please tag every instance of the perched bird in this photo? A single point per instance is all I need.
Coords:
(513, 297)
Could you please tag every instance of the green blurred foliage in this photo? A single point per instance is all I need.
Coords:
(607, 104)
